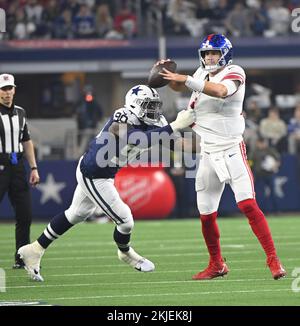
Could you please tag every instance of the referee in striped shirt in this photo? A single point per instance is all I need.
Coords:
(14, 142)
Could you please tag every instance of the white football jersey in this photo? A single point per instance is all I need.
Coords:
(219, 121)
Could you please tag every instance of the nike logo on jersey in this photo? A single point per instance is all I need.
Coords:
(230, 155)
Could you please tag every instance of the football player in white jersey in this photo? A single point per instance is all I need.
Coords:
(125, 135)
(218, 89)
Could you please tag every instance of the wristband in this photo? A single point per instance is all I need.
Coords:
(34, 168)
(196, 85)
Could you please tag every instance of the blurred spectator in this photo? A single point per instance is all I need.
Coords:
(34, 11)
(89, 113)
(250, 133)
(89, 3)
(63, 26)
(253, 111)
(23, 28)
(125, 23)
(259, 20)
(84, 23)
(238, 21)
(279, 17)
(179, 17)
(204, 10)
(260, 94)
(265, 164)
(180, 12)
(104, 21)
(274, 129)
(297, 92)
(49, 15)
(71, 5)
(294, 132)
(220, 12)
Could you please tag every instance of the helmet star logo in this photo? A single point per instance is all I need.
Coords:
(136, 90)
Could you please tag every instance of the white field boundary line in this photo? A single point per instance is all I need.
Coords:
(118, 273)
(161, 294)
(99, 253)
(43, 285)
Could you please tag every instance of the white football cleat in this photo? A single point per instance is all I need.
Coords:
(31, 255)
(136, 261)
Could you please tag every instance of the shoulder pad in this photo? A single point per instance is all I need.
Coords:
(124, 115)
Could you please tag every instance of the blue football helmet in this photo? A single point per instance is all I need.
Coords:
(220, 43)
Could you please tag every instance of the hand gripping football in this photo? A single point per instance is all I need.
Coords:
(155, 80)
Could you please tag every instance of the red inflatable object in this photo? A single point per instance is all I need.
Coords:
(148, 191)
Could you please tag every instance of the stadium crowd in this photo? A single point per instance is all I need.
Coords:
(126, 19)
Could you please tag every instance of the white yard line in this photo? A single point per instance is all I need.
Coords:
(43, 285)
(99, 256)
(71, 243)
(118, 273)
(165, 263)
(160, 294)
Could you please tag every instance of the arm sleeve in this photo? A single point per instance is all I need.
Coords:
(231, 85)
(26, 134)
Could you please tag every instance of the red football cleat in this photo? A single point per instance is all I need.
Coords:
(214, 269)
(276, 268)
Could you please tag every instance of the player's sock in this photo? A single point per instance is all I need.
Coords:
(259, 225)
(122, 240)
(211, 235)
(57, 226)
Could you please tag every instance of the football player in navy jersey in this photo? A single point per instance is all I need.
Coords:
(127, 133)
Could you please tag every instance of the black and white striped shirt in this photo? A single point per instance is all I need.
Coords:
(13, 129)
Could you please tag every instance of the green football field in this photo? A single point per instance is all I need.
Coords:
(82, 267)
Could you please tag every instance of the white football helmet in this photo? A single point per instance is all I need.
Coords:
(144, 102)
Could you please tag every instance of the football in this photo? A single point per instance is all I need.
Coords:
(155, 80)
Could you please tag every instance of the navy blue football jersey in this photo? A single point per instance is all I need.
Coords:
(107, 153)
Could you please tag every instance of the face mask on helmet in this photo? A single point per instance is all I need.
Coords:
(216, 42)
(145, 103)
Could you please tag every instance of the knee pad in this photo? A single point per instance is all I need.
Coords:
(72, 217)
(206, 206)
(127, 226)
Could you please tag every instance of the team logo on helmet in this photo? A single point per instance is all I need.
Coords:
(220, 43)
(144, 102)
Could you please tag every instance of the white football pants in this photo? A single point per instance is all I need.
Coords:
(94, 197)
(229, 166)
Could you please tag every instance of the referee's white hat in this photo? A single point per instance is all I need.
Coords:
(7, 80)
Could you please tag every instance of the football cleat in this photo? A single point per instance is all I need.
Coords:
(19, 264)
(138, 262)
(276, 268)
(214, 269)
(31, 255)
